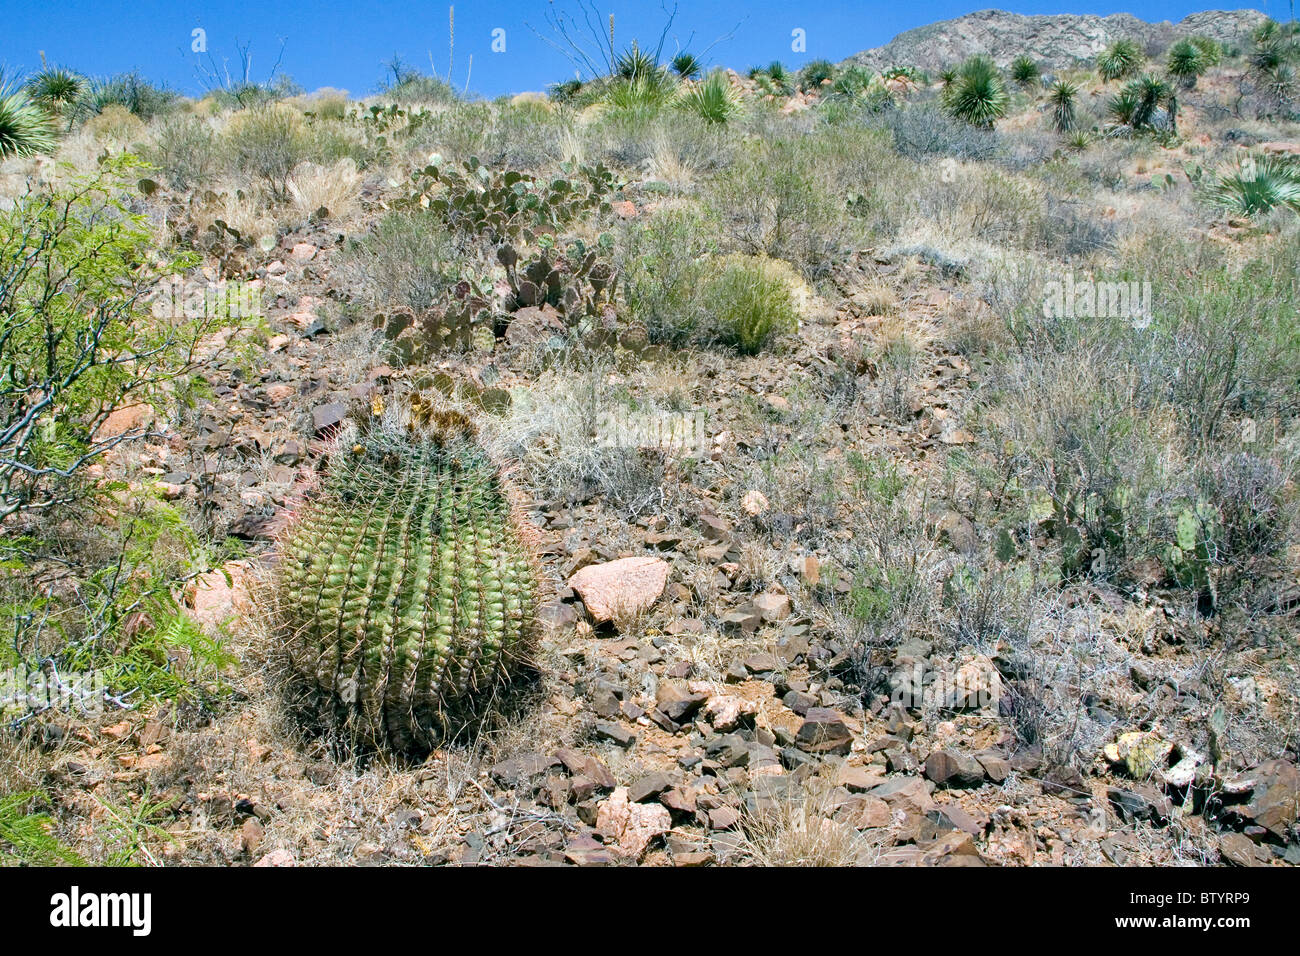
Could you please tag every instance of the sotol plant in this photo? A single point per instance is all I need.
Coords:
(408, 585)
(1257, 185)
(25, 128)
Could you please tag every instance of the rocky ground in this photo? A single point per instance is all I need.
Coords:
(720, 716)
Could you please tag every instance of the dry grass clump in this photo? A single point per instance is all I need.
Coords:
(334, 188)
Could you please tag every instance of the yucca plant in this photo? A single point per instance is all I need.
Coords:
(1122, 58)
(1151, 93)
(407, 586)
(1258, 184)
(947, 76)
(566, 91)
(1185, 63)
(635, 63)
(55, 88)
(25, 127)
(851, 82)
(687, 65)
(1061, 96)
(1025, 71)
(978, 95)
(643, 95)
(1122, 107)
(1211, 51)
(712, 99)
(816, 73)
(780, 77)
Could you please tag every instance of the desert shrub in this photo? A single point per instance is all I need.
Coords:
(921, 132)
(663, 270)
(327, 103)
(408, 259)
(525, 135)
(185, 151)
(267, 144)
(678, 139)
(1122, 435)
(456, 132)
(773, 200)
(251, 95)
(410, 87)
(116, 124)
(749, 303)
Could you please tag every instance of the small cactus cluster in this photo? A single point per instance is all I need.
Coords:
(1191, 555)
(408, 584)
(575, 285)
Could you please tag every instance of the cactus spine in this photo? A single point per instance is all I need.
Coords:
(408, 587)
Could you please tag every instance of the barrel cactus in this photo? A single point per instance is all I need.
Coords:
(407, 585)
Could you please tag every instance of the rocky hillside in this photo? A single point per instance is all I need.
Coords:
(1058, 40)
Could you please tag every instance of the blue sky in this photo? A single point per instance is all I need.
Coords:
(345, 45)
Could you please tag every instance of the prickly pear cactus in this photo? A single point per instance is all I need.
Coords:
(408, 587)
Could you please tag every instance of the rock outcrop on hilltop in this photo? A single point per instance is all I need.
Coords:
(1057, 40)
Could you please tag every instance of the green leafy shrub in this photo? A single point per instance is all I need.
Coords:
(77, 338)
(774, 200)
(663, 265)
(267, 143)
(750, 303)
(185, 150)
(407, 588)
